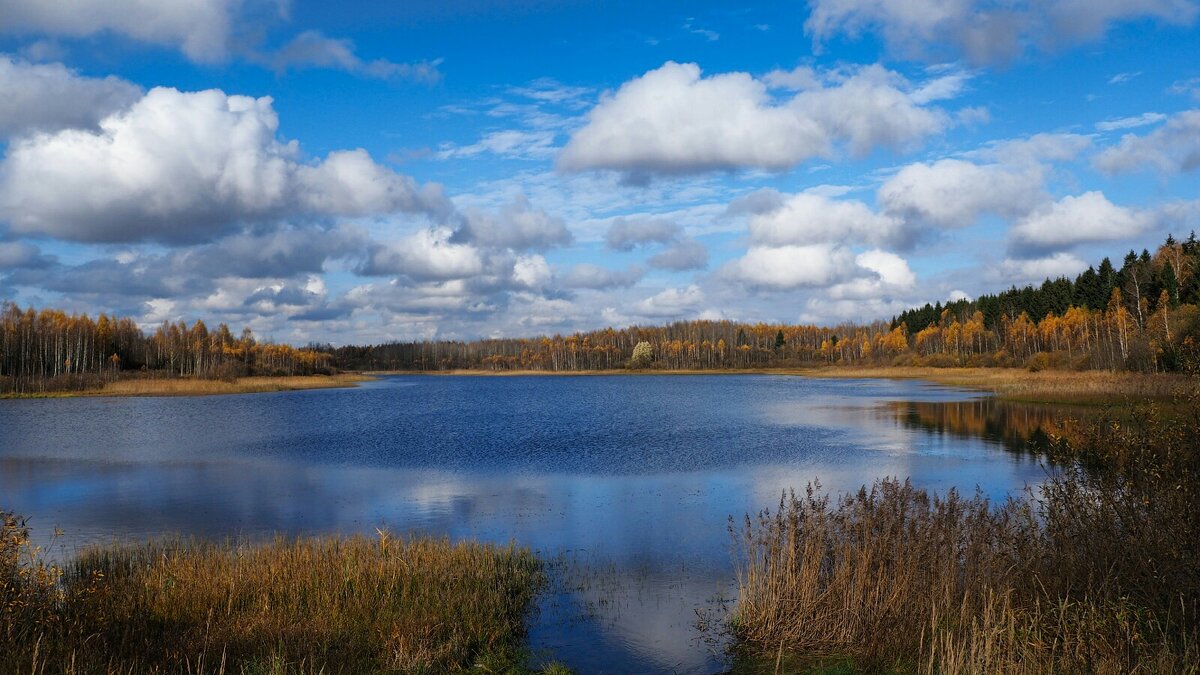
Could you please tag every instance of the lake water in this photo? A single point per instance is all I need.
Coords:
(629, 481)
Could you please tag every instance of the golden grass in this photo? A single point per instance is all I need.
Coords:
(1097, 572)
(1016, 384)
(353, 605)
(242, 385)
(1046, 386)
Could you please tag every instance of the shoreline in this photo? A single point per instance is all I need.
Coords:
(1089, 387)
(258, 384)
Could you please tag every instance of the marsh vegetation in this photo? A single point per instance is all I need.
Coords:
(328, 605)
(1098, 570)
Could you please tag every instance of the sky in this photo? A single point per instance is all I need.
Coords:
(456, 169)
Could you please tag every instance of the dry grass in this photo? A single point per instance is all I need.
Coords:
(1099, 572)
(309, 605)
(241, 385)
(1046, 386)
(1092, 387)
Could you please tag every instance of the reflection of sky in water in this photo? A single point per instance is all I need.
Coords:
(633, 474)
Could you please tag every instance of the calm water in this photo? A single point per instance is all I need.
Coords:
(630, 480)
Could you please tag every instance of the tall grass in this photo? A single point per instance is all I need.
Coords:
(352, 605)
(1097, 571)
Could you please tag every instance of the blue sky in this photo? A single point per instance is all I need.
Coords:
(468, 169)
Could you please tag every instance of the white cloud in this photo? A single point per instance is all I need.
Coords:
(891, 268)
(510, 143)
(1145, 119)
(953, 193)
(879, 274)
(1173, 147)
(427, 255)
(809, 218)
(312, 49)
(671, 303)
(1036, 149)
(532, 271)
(984, 31)
(517, 226)
(181, 166)
(1024, 271)
(1090, 217)
(626, 233)
(673, 121)
(50, 97)
(200, 28)
(686, 254)
(587, 275)
(786, 267)
(1122, 78)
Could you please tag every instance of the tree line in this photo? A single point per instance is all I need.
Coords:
(46, 350)
(1141, 317)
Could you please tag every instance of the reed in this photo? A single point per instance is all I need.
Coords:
(1097, 571)
(330, 605)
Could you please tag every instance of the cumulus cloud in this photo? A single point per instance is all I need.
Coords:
(246, 260)
(428, 255)
(1173, 147)
(674, 121)
(671, 303)
(587, 275)
(891, 268)
(953, 193)
(984, 31)
(1090, 217)
(1033, 270)
(879, 275)
(186, 167)
(200, 28)
(626, 233)
(50, 97)
(1035, 149)
(517, 226)
(312, 49)
(788, 267)
(686, 254)
(532, 272)
(809, 218)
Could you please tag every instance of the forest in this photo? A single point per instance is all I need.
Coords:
(49, 350)
(1142, 317)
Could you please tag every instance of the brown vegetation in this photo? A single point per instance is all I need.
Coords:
(308, 605)
(1098, 571)
(192, 386)
(1041, 386)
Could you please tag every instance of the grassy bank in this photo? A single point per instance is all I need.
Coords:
(292, 606)
(1092, 387)
(1089, 387)
(1098, 571)
(202, 387)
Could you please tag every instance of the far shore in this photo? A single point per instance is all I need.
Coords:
(199, 387)
(1089, 387)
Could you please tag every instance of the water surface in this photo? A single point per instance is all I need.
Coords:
(628, 480)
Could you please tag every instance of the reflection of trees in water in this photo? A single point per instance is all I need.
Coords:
(1025, 428)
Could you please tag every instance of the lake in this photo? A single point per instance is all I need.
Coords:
(628, 482)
